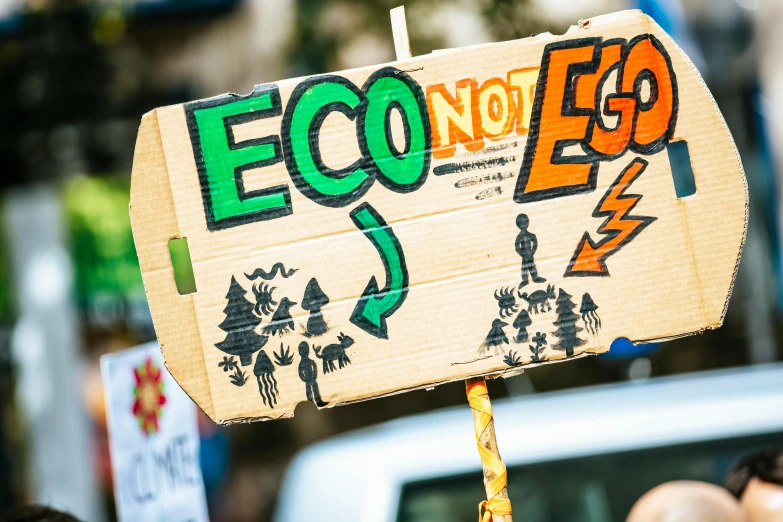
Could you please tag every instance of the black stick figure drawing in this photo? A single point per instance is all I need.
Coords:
(281, 322)
(496, 338)
(267, 384)
(526, 246)
(308, 373)
(589, 314)
(335, 352)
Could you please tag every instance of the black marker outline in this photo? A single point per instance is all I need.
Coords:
(421, 101)
(228, 122)
(338, 200)
(609, 214)
(574, 71)
(356, 316)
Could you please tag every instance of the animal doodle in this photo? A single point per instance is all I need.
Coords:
(308, 374)
(281, 322)
(589, 314)
(495, 339)
(268, 276)
(506, 302)
(335, 352)
(267, 384)
(264, 300)
(539, 299)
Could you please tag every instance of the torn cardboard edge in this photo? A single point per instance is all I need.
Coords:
(150, 176)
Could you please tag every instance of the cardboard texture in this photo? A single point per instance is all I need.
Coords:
(469, 212)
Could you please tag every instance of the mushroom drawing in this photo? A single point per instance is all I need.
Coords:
(521, 323)
(313, 300)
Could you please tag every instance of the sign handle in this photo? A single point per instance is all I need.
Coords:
(497, 507)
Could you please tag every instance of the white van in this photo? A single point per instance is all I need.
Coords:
(584, 455)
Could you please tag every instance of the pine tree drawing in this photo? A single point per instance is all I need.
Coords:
(240, 323)
(566, 325)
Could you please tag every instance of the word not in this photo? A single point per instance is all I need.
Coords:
(567, 112)
(473, 113)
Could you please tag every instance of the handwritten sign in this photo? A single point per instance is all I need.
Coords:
(468, 212)
(153, 440)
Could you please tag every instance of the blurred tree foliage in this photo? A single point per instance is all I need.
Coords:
(323, 28)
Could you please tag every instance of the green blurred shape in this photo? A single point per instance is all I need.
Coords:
(183, 269)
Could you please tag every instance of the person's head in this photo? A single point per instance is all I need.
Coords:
(687, 501)
(522, 222)
(757, 480)
(304, 349)
(36, 513)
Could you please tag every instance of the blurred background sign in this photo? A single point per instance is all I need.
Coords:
(154, 439)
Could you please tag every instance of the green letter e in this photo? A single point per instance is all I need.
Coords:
(221, 160)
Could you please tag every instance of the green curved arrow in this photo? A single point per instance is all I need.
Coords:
(376, 305)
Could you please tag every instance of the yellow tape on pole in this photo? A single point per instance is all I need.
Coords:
(497, 507)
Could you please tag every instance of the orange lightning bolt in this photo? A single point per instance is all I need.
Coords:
(619, 226)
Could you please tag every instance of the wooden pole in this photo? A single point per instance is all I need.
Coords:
(494, 470)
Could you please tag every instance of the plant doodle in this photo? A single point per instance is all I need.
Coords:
(285, 357)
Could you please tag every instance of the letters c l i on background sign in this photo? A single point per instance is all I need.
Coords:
(470, 212)
(153, 437)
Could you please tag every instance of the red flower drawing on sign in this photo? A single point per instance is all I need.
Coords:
(148, 392)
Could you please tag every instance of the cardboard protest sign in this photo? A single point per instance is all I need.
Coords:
(468, 212)
(153, 440)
